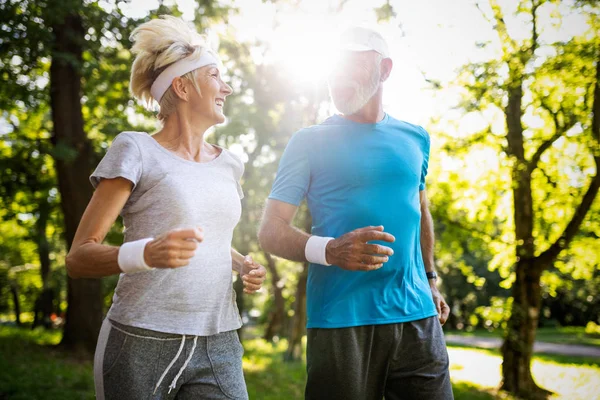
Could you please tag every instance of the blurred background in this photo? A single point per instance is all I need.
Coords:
(508, 90)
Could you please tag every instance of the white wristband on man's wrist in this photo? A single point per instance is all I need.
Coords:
(131, 256)
(316, 250)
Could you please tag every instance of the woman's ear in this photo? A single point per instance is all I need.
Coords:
(386, 68)
(180, 88)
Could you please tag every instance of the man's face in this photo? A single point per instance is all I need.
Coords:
(355, 78)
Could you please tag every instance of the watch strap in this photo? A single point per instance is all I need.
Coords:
(431, 275)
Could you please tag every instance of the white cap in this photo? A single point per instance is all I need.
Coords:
(364, 39)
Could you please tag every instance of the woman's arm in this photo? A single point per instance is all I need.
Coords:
(237, 261)
(252, 273)
(89, 258)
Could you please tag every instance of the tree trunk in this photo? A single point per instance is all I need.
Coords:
(238, 288)
(277, 315)
(44, 304)
(294, 350)
(73, 154)
(517, 348)
(42, 241)
(14, 289)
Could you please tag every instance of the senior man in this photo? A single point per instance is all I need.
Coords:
(375, 314)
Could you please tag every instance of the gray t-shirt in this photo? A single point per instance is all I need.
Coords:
(170, 192)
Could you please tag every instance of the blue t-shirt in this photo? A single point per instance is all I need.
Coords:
(355, 175)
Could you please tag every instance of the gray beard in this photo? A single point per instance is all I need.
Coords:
(362, 94)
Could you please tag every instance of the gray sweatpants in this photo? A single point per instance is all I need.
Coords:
(134, 363)
(405, 361)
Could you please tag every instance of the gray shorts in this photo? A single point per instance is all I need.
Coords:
(406, 361)
(134, 363)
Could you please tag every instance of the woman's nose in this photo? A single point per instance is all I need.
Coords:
(226, 89)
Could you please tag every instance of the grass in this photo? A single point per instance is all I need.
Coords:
(268, 377)
(570, 378)
(560, 335)
(31, 369)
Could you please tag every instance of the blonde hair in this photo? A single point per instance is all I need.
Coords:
(157, 44)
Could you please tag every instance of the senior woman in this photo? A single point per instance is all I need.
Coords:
(171, 330)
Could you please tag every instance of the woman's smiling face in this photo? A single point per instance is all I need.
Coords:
(213, 92)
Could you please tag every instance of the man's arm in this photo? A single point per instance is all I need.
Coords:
(427, 241)
(278, 236)
(427, 234)
(350, 251)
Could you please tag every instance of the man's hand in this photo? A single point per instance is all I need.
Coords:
(253, 275)
(440, 304)
(352, 252)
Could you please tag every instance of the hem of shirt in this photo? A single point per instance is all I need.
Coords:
(95, 178)
(285, 200)
(376, 321)
(174, 330)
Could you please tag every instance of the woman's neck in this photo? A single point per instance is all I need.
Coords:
(186, 138)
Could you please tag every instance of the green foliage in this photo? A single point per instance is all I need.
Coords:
(472, 194)
(496, 314)
(385, 12)
(465, 225)
(592, 329)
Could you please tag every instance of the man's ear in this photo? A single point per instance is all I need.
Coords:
(180, 88)
(386, 68)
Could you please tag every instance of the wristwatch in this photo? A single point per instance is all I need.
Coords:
(431, 275)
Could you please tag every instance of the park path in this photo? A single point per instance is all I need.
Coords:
(538, 347)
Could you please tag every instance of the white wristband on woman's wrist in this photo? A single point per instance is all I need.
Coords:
(131, 256)
(316, 250)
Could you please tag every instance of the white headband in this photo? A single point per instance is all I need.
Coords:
(178, 68)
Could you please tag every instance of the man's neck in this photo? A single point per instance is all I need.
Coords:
(370, 113)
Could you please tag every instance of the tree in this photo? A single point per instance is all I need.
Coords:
(73, 161)
(561, 89)
(463, 252)
(28, 181)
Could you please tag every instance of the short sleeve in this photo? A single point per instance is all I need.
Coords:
(293, 175)
(123, 159)
(425, 164)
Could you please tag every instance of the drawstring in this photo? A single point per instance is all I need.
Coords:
(174, 383)
(171, 364)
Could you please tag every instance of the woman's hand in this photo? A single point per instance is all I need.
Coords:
(253, 275)
(173, 249)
